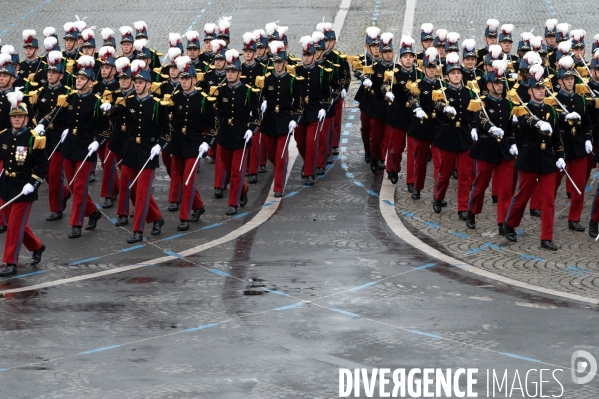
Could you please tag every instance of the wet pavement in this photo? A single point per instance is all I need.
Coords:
(301, 287)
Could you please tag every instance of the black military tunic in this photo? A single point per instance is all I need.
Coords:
(27, 68)
(422, 97)
(455, 132)
(471, 74)
(204, 61)
(574, 133)
(249, 73)
(541, 149)
(168, 87)
(316, 90)
(102, 86)
(364, 94)
(46, 101)
(593, 109)
(399, 113)
(238, 110)
(211, 79)
(490, 148)
(283, 95)
(25, 161)
(118, 124)
(378, 106)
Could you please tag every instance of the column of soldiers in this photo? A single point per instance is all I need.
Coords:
(521, 123)
(65, 112)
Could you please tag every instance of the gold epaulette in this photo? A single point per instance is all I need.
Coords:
(328, 70)
(32, 96)
(437, 95)
(550, 101)
(260, 80)
(299, 77)
(582, 89)
(107, 96)
(155, 88)
(40, 141)
(157, 70)
(99, 97)
(166, 101)
(3, 130)
(209, 98)
(475, 105)
(290, 69)
(519, 111)
(413, 88)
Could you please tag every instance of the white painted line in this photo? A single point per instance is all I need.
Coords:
(387, 196)
(408, 20)
(340, 17)
(263, 215)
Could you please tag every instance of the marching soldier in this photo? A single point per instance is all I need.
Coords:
(454, 140)
(261, 47)
(148, 131)
(194, 131)
(541, 153)
(127, 40)
(469, 69)
(47, 100)
(490, 39)
(193, 50)
(31, 64)
(551, 40)
(239, 112)
(141, 32)
(207, 55)
(223, 29)
(576, 135)
(495, 147)
(593, 107)
(24, 158)
(70, 52)
(108, 38)
(578, 49)
(107, 71)
(506, 42)
(283, 109)
(86, 129)
(440, 44)
(427, 40)
(524, 44)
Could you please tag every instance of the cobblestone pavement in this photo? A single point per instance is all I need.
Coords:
(337, 288)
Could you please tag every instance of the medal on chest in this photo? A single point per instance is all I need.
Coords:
(21, 155)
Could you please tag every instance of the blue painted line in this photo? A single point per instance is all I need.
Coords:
(211, 226)
(98, 206)
(4, 31)
(355, 109)
(133, 248)
(350, 175)
(348, 124)
(343, 149)
(276, 292)
(357, 183)
(433, 225)
(351, 117)
(112, 220)
(30, 274)
(344, 166)
(241, 215)
(576, 271)
(345, 312)
(100, 349)
(173, 236)
(346, 132)
(295, 305)
(201, 327)
(3, 369)
(171, 253)
(388, 202)
(83, 261)
(343, 157)
(372, 193)
(330, 166)
(344, 141)
(219, 272)
(588, 188)
(408, 214)
(455, 233)
(360, 287)
(528, 359)
(425, 266)
(530, 257)
(518, 232)
(426, 334)
(291, 194)
(269, 203)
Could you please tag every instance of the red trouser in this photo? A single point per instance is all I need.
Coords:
(220, 173)
(338, 116)
(274, 146)
(502, 173)
(323, 143)
(110, 179)
(591, 161)
(330, 135)
(365, 130)
(396, 146)
(57, 190)
(422, 149)
(410, 160)
(446, 168)
(577, 169)
(535, 199)
(175, 187)
(17, 215)
(526, 185)
(190, 190)
(257, 152)
(377, 139)
(126, 194)
(82, 205)
(232, 159)
(166, 160)
(307, 146)
(146, 210)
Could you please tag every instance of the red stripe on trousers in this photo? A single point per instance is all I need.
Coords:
(109, 173)
(220, 174)
(396, 139)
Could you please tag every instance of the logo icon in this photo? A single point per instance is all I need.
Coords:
(583, 367)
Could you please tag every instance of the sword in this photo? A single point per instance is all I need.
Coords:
(287, 141)
(107, 155)
(54, 150)
(583, 82)
(193, 167)
(11, 201)
(142, 169)
(78, 169)
(242, 155)
(571, 181)
(556, 100)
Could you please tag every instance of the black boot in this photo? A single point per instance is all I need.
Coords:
(335, 150)
(156, 228)
(92, 177)
(374, 165)
(8, 270)
(37, 255)
(107, 203)
(183, 225)
(548, 244)
(75, 232)
(495, 199)
(173, 207)
(535, 213)
(463, 215)
(218, 192)
(510, 233)
(470, 220)
(410, 187)
(381, 165)
(253, 179)
(320, 171)
(3, 229)
(137, 236)
(436, 206)
(443, 203)
(278, 194)
(195, 215)
(367, 157)
(415, 195)
(54, 216)
(243, 200)
(93, 220)
(262, 169)
(501, 231)
(232, 210)
(394, 177)
(576, 226)
(309, 181)
(123, 220)
(593, 229)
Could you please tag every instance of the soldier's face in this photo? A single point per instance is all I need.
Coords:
(595, 74)
(69, 44)
(54, 77)
(83, 84)
(495, 88)
(579, 54)
(550, 40)
(193, 53)
(537, 93)
(319, 54)
(375, 51)
(280, 66)
(568, 83)
(428, 43)
(329, 44)
(219, 64)
(173, 72)
(470, 62)
(307, 59)
(232, 76)
(430, 71)
(525, 74)
(187, 84)
(88, 51)
(407, 60)
(455, 77)
(249, 55)
(5, 80)
(441, 51)
(141, 87)
(30, 52)
(506, 46)
(491, 40)
(387, 56)
(18, 121)
(107, 72)
(207, 46)
(127, 48)
(125, 83)
(260, 51)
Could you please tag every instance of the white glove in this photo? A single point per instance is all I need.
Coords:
(203, 149)
(155, 151)
(561, 164)
(93, 147)
(39, 129)
(248, 135)
(545, 126)
(27, 189)
(343, 93)
(474, 134)
(514, 75)
(292, 125)
(496, 131)
(572, 116)
(514, 150)
(390, 96)
(515, 119)
(263, 106)
(588, 146)
(420, 114)
(367, 82)
(449, 110)
(105, 107)
(64, 135)
(321, 115)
